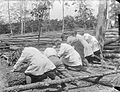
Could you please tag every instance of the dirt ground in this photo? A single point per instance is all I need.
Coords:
(84, 86)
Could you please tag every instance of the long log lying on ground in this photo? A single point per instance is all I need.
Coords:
(103, 66)
(112, 35)
(41, 84)
(108, 55)
(111, 51)
(111, 47)
(111, 41)
(114, 44)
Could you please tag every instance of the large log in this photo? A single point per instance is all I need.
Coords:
(107, 42)
(111, 47)
(111, 51)
(114, 44)
(41, 84)
(111, 33)
(113, 55)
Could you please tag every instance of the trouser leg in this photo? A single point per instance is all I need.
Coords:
(36, 78)
(51, 74)
(89, 59)
(65, 74)
(63, 71)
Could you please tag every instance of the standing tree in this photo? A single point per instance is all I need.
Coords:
(84, 13)
(69, 22)
(115, 10)
(101, 23)
(21, 16)
(9, 18)
(40, 13)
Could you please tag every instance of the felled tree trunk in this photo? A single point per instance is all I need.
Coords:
(86, 78)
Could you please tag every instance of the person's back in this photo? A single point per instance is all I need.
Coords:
(87, 48)
(77, 45)
(51, 53)
(39, 63)
(70, 55)
(92, 41)
(96, 45)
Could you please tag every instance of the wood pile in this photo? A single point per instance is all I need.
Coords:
(112, 50)
(32, 39)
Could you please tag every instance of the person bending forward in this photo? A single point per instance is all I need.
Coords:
(39, 66)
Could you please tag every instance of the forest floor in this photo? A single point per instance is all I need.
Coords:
(84, 86)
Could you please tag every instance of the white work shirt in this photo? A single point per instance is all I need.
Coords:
(69, 55)
(39, 63)
(95, 44)
(71, 39)
(50, 52)
(92, 41)
(87, 48)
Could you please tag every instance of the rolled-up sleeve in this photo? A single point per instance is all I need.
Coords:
(61, 51)
(20, 60)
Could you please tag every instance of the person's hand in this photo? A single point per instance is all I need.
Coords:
(13, 70)
(92, 55)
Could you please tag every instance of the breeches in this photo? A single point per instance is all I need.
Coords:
(62, 72)
(38, 78)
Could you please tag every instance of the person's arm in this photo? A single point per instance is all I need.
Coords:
(61, 51)
(20, 60)
(45, 52)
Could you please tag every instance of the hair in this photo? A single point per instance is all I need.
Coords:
(75, 32)
(15, 55)
(57, 42)
(50, 44)
(63, 37)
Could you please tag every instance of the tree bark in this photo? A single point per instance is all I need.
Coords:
(101, 25)
(89, 78)
(9, 18)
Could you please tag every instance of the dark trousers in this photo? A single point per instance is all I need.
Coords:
(62, 72)
(75, 68)
(97, 53)
(93, 59)
(51, 74)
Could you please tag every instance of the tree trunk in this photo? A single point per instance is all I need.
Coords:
(9, 18)
(63, 25)
(21, 16)
(101, 25)
(39, 31)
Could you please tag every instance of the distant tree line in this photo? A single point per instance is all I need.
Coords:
(52, 25)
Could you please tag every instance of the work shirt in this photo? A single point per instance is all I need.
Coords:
(77, 45)
(87, 48)
(51, 53)
(71, 39)
(93, 42)
(38, 63)
(69, 55)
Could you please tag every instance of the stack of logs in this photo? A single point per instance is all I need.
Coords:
(112, 50)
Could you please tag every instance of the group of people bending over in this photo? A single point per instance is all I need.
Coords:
(70, 52)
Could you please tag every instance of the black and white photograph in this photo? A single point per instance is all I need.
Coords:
(59, 46)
